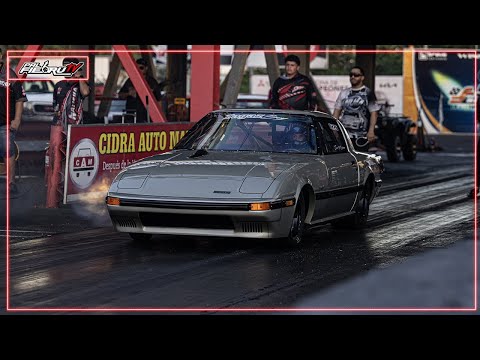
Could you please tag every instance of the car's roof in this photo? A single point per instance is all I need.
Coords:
(252, 97)
(275, 111)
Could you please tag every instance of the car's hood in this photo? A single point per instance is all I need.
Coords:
(214, 175)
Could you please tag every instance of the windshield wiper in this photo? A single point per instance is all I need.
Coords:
(199, 152)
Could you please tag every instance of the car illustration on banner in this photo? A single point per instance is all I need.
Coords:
(83, 163)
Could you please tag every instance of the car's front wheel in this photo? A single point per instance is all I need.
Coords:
(140, 237)
(297, 227)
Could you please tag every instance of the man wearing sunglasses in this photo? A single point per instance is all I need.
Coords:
(134, 104)
(356, 107)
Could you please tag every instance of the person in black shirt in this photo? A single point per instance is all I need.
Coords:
(293, 90)
(68, 96)
(134, 104)
(11, 91)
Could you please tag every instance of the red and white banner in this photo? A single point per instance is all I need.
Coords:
(97, 153)
(387, 88)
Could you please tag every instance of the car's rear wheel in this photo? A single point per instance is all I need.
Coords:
(359, 219)
(409, 150)
(140, 237)
(297, 227)
(393, 147)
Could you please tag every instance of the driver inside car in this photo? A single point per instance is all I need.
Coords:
(298, 139)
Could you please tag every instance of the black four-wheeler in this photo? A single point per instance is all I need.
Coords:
(396, 134)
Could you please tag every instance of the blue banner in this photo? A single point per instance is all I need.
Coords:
(445, 90)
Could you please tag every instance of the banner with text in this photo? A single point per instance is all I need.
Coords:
(97, 153)
(388, 88)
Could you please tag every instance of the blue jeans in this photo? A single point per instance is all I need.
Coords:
(3, 142)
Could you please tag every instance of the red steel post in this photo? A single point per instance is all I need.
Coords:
(205, 81)
(53, 170)
(139, 83)
(33, 50)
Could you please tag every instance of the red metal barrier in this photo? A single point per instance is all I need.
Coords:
(205, 81)
(54, 166)
(139, 83)
(30, 53)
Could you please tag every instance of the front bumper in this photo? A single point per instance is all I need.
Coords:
(202, 219)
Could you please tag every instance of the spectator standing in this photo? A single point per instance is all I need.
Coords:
(134, 104)
(68, 96)
(12, 92)
(293, 90)
(357, 108)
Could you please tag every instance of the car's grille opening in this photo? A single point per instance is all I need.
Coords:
(252, 227)
(43, 109)
(124, 221)
(186, 221)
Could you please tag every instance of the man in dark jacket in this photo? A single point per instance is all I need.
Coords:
(68, 96)
(134, 104)
(293, 90)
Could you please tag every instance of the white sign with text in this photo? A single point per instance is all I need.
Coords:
(387, 88)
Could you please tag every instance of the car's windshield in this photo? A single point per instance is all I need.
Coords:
(38, 86)
(244, 131)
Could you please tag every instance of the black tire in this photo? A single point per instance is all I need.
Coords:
(409, 150)
(393, 148)
(297, 227)
(473, 193)
(140, 237)
(359, 219)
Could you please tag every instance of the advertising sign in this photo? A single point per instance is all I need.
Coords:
(387, 88)
(445, 92)
(256, 59)
(97, 153)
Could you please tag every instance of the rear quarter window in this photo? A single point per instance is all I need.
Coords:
(333, 140)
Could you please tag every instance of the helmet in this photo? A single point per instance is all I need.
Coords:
(298, 130)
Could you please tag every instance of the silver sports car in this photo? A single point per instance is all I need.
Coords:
(248, 173)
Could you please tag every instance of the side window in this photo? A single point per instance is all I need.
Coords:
(319, 138)
(38, 86)
(332, 137)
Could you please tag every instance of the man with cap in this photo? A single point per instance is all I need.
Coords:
(11, 91)
(293, 90)
(68, 96)
(134, 104)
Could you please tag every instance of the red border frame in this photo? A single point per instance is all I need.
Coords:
(474, 308)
